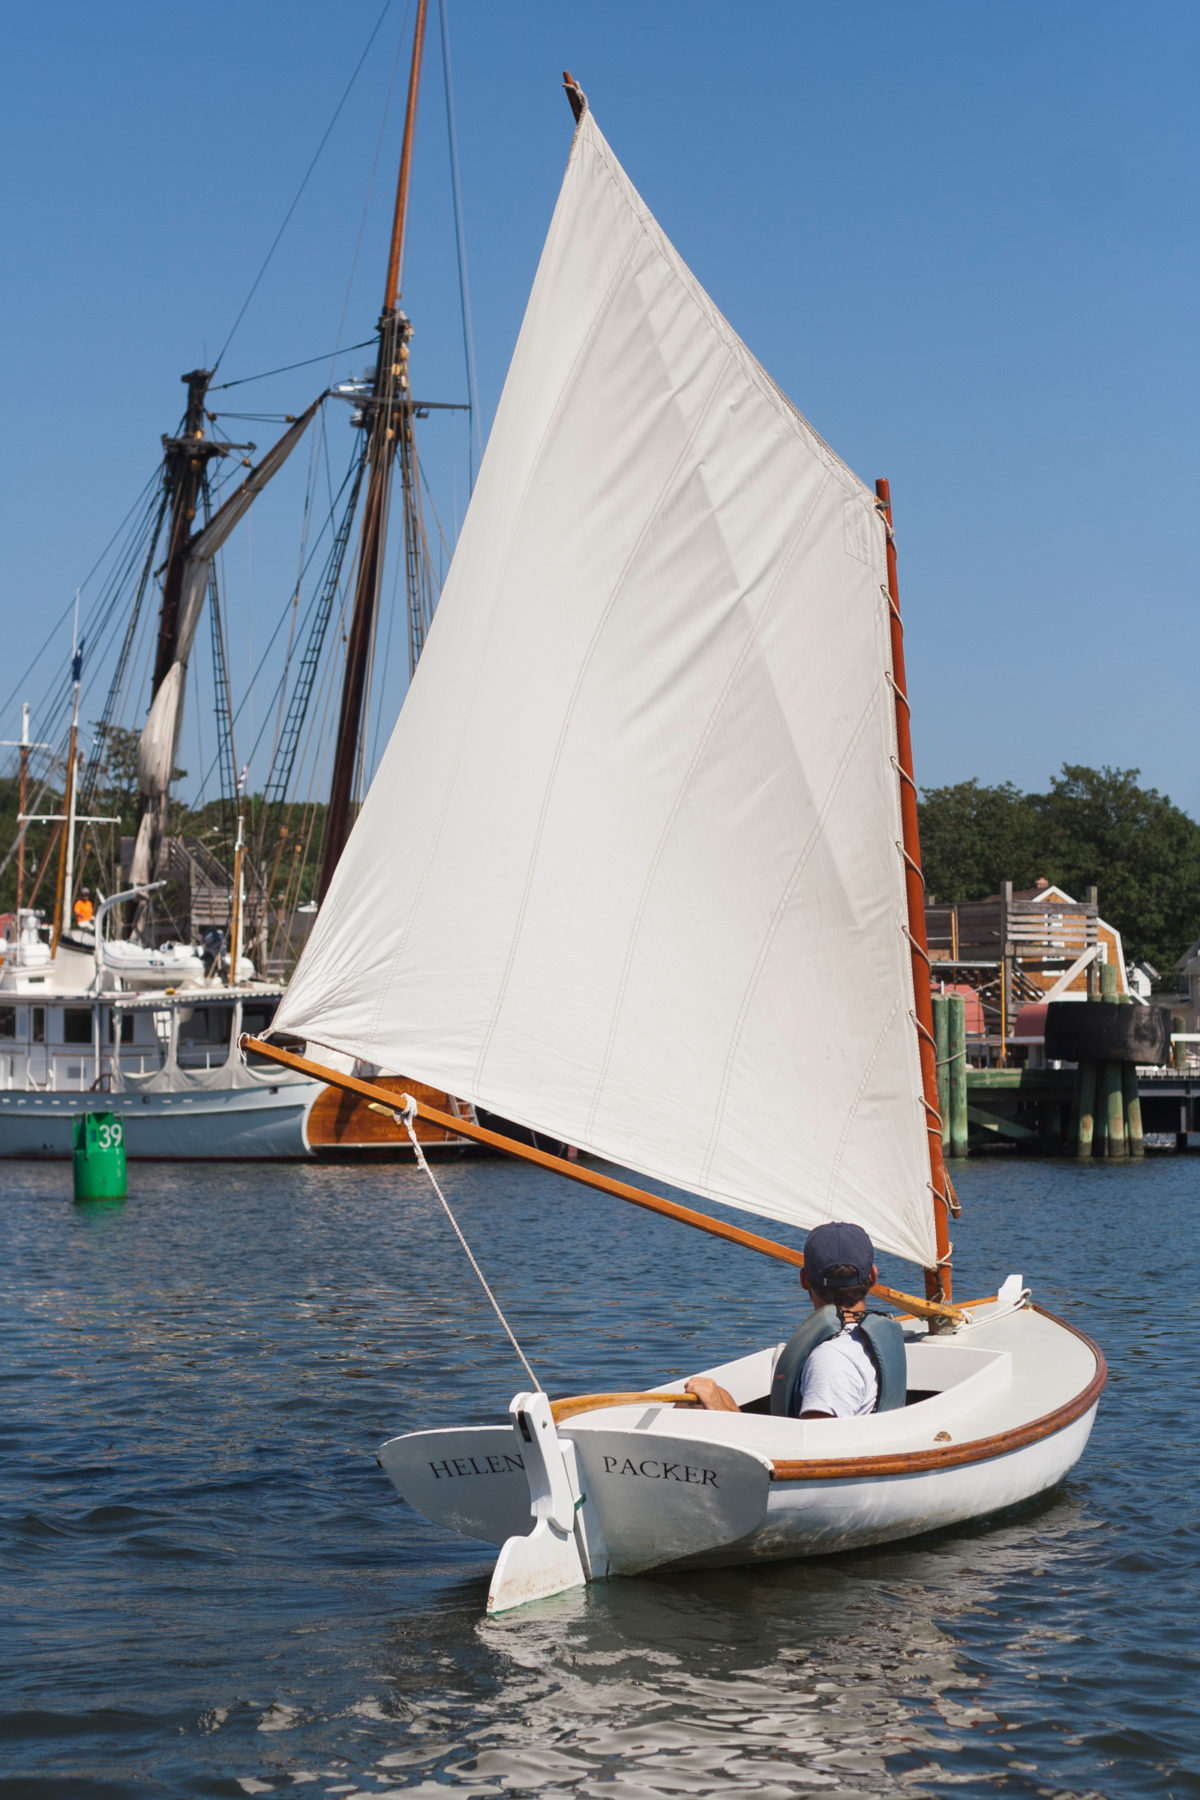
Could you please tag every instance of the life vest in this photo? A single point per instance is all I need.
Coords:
(884, 1339)
(83, 912)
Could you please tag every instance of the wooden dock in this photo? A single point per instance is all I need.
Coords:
(1029, 1109)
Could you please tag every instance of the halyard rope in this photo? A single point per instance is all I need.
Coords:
(406, 1118)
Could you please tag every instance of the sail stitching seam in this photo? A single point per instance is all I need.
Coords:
(654, 234)
(652, 518)
(780, 911)
(752, 639)
(534, 466)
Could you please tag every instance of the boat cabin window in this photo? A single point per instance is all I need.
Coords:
(256, 1018)
(37, 1018)
(204, 1033)
(8, 1021)
(77, 1025)
(125, 1024)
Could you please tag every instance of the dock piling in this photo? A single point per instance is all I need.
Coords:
(956, 1011)
(1085, 1087)
(1114, 1109)
(941, 1040)
(1133, 1110)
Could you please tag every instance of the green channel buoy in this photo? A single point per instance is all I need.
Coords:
(99, 1157)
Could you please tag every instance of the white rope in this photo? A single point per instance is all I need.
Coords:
(406, 1118)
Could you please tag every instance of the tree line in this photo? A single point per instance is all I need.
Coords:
(283, 839)
(1091, 828)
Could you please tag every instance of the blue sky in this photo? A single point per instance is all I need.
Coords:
(961, 236)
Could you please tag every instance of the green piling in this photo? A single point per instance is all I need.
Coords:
(99, 1157)
(1114, 1109)
(941, 1039)
(1085, 1089)
(957, 1069)
(1108, 981)
(1133, 1110)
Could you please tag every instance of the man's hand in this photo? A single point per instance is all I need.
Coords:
(710, 1396)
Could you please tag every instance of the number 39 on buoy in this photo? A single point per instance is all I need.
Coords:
(99, 1157)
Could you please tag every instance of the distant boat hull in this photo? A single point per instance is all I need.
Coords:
(342, 1126)
(265, 1124)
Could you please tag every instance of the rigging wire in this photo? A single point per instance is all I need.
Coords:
(362, 223)
(318, 450)
(328, 356)
(405, 1118)
(461, 245)
(304, 183)
(65, 613)
(282, 621)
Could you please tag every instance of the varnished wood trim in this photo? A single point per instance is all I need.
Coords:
(580, 1403)
(605, 1184)
(950, 1456)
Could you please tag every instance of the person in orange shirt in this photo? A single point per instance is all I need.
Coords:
(83, 908)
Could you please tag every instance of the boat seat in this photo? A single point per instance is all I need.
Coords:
(885, 1344)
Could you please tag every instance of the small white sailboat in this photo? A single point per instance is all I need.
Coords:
(644, 847)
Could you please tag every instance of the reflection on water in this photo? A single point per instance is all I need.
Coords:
(209, 1588)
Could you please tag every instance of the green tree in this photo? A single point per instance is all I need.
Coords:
(975, 837)
(1094, 827)
(1132, 843)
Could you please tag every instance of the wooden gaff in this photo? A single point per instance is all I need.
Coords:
(937, 1281)
(605, 1184)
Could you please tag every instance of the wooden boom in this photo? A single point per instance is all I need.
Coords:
(605, 1184)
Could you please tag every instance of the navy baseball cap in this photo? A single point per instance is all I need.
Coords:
(842, 1247)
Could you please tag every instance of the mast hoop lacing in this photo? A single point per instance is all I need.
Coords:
(917, 951)
(912, 864)
(902, 773)
(406, 1117)
(934, 1122)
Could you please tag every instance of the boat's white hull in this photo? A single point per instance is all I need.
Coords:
(806, 1518)
(222, 1124)
(1009, 1405)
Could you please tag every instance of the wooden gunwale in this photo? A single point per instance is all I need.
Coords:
(920, 1462)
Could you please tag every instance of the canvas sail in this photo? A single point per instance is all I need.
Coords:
(629, 870)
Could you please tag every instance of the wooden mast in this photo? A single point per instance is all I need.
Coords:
(937, 1280)
(186, 458)
(386, 420)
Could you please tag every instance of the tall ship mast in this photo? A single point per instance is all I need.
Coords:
(387, 419)
(142, 997)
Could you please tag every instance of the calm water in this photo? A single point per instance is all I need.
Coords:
(208, 1587)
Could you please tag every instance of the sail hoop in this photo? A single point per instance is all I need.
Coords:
(627, 871)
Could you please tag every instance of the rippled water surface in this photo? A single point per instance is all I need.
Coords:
(207, 1586)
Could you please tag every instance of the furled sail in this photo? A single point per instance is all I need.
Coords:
(159, 742)
(629, 871)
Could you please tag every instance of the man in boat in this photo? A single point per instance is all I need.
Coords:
(83, 907)
(840, 1379)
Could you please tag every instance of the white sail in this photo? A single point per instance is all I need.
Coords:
(629, 870)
